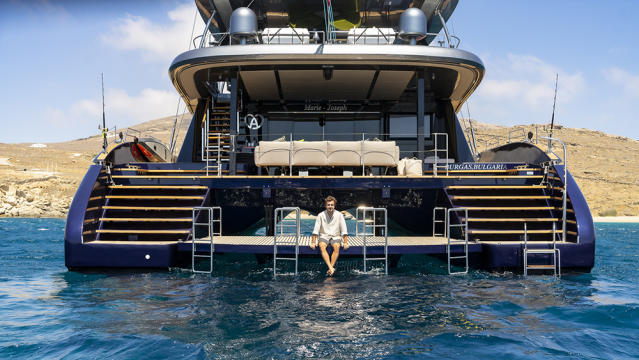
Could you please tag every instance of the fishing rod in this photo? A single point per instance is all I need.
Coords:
(104, 129)
(554, 102)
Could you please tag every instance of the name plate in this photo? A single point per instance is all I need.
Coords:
(480, 166)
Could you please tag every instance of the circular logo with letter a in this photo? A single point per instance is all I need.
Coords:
(253, 122)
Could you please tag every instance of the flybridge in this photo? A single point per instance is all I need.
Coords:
(326, 16)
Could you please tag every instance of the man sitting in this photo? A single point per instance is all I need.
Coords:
(331, 228)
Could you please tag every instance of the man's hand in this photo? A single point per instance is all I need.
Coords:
(345, 240)
(313, 242)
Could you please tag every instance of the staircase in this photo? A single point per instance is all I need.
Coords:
(149, 212)
(499, 212)
(216, 139)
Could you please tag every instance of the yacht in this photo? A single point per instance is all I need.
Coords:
(295, 100)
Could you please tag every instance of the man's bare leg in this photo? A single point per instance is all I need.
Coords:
(334, 256)
(322, 246)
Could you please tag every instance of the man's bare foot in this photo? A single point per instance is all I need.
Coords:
(312, 246)
(346, 246)
(331, 271)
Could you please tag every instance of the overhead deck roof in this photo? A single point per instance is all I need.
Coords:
(360, 72)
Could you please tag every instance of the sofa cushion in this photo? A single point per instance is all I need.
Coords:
(344, 153)
(272, 153)
(380, 153)
(309, 153)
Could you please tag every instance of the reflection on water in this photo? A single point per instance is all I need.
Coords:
(241, 311)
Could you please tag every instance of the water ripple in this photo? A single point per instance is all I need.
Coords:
(241, 312)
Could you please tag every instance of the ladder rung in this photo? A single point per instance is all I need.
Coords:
(540, 251)
(458, 257)
(285, 259)
(367, 259)
(550, 267)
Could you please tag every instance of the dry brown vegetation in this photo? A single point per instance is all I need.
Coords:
(40, 182)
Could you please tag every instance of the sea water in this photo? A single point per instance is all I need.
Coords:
(242, 312)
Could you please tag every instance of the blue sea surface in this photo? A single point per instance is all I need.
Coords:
(242, 312)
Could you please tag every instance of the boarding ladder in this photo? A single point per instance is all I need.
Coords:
(463, 225)
(554, 252)
(436, 220)
(366, 218)
(437, 163)
(213, 216)
(286, 233)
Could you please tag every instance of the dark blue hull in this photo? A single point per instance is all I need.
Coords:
(247, 200)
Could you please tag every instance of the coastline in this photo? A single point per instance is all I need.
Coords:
(615, 219)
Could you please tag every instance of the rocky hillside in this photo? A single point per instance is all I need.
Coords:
(39, 180)
(606, 167)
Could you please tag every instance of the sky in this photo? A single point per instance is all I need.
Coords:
(52, 53)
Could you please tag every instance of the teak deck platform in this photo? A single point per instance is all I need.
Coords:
(264, 245)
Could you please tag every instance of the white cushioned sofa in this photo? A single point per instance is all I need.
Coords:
(327, 153)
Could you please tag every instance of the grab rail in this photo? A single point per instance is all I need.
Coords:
(565, 182)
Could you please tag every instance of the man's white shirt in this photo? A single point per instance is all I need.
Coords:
(330, 228)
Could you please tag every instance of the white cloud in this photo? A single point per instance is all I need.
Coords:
(156, 41)
(519, 89)
(121, 109)
(620, 77)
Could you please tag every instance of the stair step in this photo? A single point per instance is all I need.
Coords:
(490, 176)
(148, 208)
(517, 232)
(159, 170)
(509, 208)
(187, 187)
(483, 197)
(512, 219)
(109, 231)
(510, 232)
(146, 220)
(159, 197)
(499, 187)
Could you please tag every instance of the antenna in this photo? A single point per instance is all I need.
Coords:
(104, 129)
(554, 102)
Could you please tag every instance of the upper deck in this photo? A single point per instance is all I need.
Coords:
(358, 52)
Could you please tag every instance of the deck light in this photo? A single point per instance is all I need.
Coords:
(328, 71)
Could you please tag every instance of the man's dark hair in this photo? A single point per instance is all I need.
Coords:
(330, 198)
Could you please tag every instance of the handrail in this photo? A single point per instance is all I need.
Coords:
(436, 150)
(565, 189)
(314, 37)
(512, 131)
